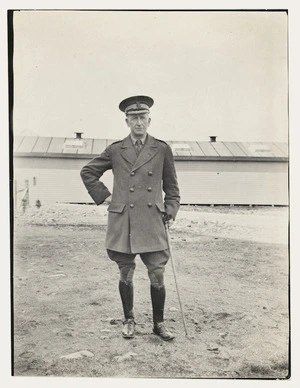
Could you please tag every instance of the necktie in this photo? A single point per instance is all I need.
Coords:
(138, 146)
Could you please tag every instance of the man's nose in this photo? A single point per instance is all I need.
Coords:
(139, 121)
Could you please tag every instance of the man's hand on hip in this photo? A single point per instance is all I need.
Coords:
(107, 200)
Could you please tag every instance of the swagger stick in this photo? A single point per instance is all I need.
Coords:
(175, 277)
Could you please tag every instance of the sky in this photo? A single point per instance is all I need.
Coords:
(218, 74)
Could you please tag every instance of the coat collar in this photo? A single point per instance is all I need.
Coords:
(147, 153)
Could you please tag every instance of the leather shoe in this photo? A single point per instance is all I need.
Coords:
(128, 328)
(161, 330)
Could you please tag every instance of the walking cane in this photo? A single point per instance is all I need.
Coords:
(175, 277)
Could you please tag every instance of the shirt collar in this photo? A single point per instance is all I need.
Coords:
(143, 139)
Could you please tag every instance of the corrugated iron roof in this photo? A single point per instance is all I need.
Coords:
(195, 150)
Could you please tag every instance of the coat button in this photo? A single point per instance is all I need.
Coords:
(131, 189)
(149, 204)
(132, 173)
(149, 189)
(131, 205)
(150, 173)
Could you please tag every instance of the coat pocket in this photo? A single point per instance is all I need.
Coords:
(160, 206)
(116, 207)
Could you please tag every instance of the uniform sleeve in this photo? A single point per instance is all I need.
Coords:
(170, 184)
(91, 173)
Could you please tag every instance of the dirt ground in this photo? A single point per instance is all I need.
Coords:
(232, 269)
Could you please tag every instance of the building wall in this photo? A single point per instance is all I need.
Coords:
(201, 182)
(56, 179)
(257, 183)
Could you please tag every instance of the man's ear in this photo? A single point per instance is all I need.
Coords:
(127, 122)
(149, 121)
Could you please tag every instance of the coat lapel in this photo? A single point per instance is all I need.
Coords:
(147, 153)
(128, 151)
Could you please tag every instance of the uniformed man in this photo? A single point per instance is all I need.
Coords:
(143, 167)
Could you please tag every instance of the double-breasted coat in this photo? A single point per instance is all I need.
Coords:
(135, 223)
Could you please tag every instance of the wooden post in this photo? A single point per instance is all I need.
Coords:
(16, 196)
(27, 192)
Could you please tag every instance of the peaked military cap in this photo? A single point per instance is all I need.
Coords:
(136, 105)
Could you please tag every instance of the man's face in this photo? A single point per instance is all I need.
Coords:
(138, 124)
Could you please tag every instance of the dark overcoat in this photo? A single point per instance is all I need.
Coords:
(135, 222)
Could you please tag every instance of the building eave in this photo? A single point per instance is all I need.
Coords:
(176, 157)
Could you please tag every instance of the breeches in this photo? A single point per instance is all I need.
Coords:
(154, 261)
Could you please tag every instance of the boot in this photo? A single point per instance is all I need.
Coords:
(158, 297)
(126, 293)
(128, 328)
(161, 330)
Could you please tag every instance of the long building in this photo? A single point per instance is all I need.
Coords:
(209, 173)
